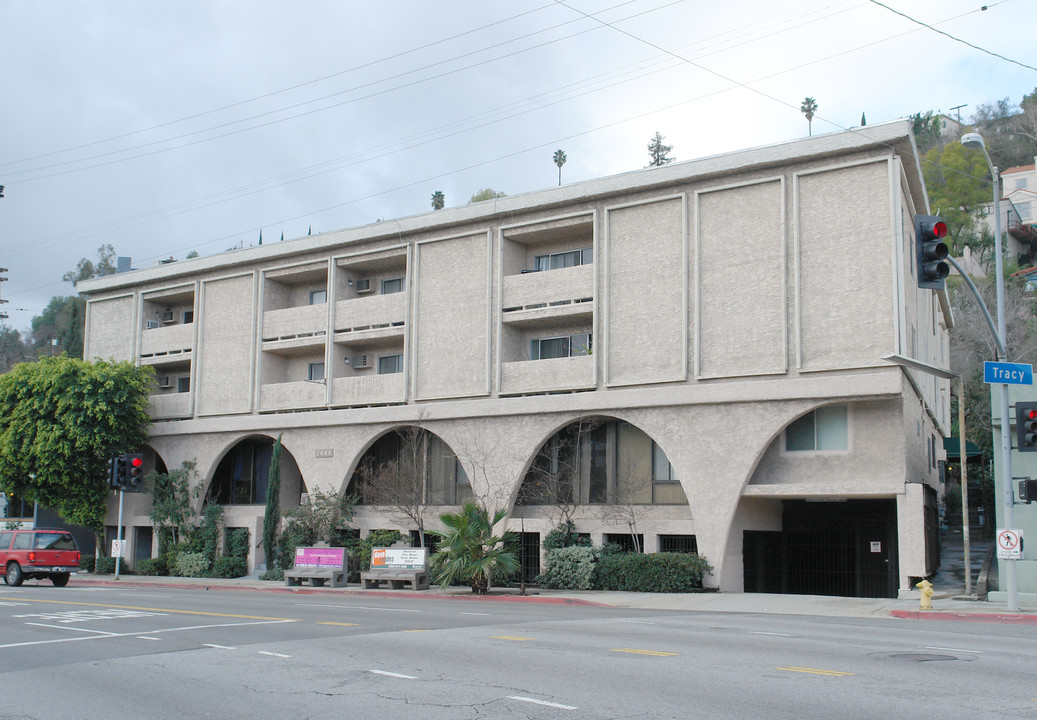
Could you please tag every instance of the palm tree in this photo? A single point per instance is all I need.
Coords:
(469, 552)
(438, 200)
(560, 159)
(808, 108)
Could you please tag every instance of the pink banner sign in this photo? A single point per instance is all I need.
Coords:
(319, 557)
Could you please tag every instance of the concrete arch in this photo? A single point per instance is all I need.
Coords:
(290, 470)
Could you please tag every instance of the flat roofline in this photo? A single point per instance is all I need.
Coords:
(895, 135)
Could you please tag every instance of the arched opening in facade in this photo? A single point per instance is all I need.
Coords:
(409, 466)
(606, 480)
(243, 475)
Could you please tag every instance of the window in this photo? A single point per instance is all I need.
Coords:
(560, 347)
(823, 429)
(188, 317)
(629, 543)
(392, 286)
(15, 507)
(1024, 209)
(241, 477)
(389, 364)
(318, 297)
(662, 470)
(1020, 184)
(315, 372)
(570, 258)
(183, 384)
(678, 543)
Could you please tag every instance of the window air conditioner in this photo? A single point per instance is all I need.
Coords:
(162, 382)
(151, 324)
(363, 285)
(360, 361)
(167, 316)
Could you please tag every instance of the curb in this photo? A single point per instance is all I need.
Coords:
(346, 591)
(1003, 618)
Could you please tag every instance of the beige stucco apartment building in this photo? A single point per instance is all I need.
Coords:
(715, 327)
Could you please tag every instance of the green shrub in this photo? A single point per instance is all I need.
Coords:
(86, 563)
(191, 564)
(659, 572)
(105, 566)
(565, 535)
(237, 543)
(273, 574)
(152, 566)
(569, 568)
(359, 549)
(229, 567)
(294, 535)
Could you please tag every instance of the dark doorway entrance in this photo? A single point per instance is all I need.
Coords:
(826, 548)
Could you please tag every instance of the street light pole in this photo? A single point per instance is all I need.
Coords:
(975, 140)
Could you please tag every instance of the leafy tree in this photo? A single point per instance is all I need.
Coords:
(438, 200)
(86, 268)
(560, 158)
(60, 327)
(928, 130)
(322, 517)
(469, 551)
(1000, 123)
(12, 349)
(60, 421)
(809, 108)
(171, 508)
(272, 518)
(659, 153)
(486, 194)
(191, 255)
(958, 190)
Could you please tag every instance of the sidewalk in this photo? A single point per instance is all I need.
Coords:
(949, 601)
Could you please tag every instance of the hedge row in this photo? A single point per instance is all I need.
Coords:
(581, 568)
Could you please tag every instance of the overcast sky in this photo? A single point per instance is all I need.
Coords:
(167, 127)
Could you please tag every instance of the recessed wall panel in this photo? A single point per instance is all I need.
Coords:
(451, 311)
(110, 335)
(845, 277)
(224, 376)
(740, 318)
(646, 293)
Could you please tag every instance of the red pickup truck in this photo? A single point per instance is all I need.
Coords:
(38, 553)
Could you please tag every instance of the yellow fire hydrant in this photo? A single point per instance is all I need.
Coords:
(927, 595)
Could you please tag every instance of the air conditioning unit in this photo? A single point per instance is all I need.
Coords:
(151, 324)
(363, 285)
(360, 361)
(167, 316)
(163, 381)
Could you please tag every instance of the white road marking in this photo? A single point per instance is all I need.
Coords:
(638, 622)
(218, 647)
(359, 607)
(273, 654)
(392, 674)
(134, 634)
(542, 702)
(929, 647)
(471, 613)
(145, 637)
(757, 632)
(76, 629)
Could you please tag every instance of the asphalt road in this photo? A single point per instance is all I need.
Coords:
(114, 653)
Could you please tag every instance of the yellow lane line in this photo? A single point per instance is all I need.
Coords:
(511, 637)
(339, 624)
(815, 671)
(151, 609)
(656, 653)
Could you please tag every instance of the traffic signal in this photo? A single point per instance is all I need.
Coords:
(1027, 491)
(134, 472)
(1026, 426)
(116, 471)
(931, 251)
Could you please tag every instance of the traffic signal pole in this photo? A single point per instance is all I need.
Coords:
(118, 534)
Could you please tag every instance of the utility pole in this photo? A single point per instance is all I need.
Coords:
(3, 315)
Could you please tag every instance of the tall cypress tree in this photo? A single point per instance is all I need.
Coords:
(272, 519)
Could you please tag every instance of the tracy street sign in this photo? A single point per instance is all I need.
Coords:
(1005, 373)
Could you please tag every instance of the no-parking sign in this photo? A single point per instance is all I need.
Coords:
(1009, 544)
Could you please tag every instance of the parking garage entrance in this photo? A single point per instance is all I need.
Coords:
(846, 548)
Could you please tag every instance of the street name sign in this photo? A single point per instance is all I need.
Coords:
(1005, 373)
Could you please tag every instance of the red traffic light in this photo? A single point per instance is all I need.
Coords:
(939, 229)
(136, 461)
(1030, 414)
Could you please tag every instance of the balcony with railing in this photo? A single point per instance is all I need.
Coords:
(372, 389)
(374, 316)
(169, 406)
(543, 376)
(167, 340)
(297, 395)
(295, 322)
(548, 295)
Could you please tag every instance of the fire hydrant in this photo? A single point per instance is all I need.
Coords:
(927, 595)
